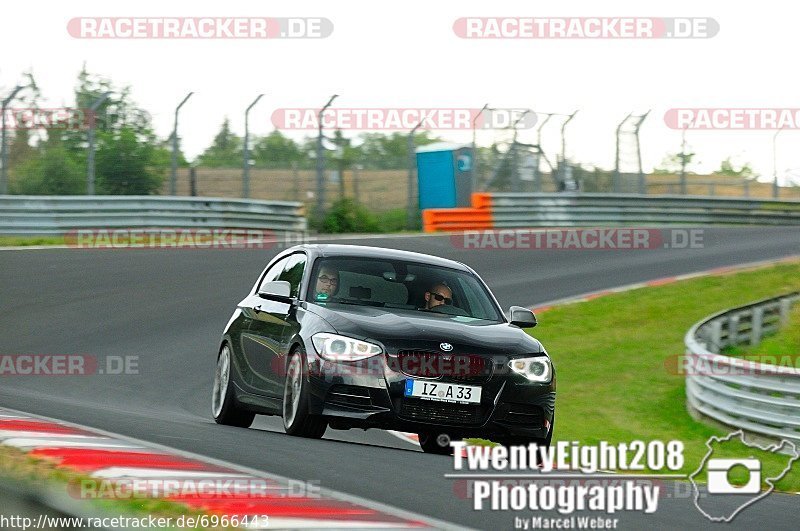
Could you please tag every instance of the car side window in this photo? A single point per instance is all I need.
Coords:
(293, 272)
(274, 272)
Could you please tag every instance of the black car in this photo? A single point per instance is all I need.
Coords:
(346, 336)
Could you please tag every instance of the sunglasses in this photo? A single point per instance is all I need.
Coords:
(441, 298)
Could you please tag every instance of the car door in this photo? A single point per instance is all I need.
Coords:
(255, 347)
(271, 328)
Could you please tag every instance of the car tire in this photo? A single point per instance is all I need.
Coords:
(297, 421)
(223, 400)
(431, 443)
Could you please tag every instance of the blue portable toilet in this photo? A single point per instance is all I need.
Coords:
(444, 175)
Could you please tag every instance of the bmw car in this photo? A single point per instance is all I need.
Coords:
(342, 336)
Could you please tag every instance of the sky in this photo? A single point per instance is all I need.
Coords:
(406, 54)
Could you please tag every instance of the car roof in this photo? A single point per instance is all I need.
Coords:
(364, 251)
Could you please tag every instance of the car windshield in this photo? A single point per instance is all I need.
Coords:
(401, 286)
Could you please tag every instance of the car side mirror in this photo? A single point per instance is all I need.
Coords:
(522, 317)
(279, 290)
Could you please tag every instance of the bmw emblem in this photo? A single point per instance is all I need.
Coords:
(446, 347)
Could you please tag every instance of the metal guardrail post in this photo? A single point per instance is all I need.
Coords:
(785, 308)
(755, 326)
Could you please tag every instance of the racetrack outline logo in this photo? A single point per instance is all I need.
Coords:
(770, 481)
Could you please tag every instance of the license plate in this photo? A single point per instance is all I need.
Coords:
(444, 392)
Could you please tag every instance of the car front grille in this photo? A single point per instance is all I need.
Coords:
(520, 414)
(349, 395)
(465, 368)
(440, 412)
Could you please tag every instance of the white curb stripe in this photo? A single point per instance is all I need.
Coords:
(34, 443)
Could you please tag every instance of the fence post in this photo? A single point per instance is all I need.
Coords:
(192, 181)
(733, 329)
(786, 306)
(755, 325)
(715, 336)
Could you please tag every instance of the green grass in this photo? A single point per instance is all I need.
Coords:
(612, 356)
(25, 241)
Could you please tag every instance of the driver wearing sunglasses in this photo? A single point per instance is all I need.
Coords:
(438, 295)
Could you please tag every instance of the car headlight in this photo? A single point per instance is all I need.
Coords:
(535, 369)
(340, 348)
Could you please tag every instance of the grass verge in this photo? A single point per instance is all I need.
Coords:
(613, 356)
(27, 241)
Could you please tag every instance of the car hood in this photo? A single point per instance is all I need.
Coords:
(402, 330)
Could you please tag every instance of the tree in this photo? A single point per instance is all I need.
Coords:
(50, 171)
(127, 165)
(745, 171)
(389, 152)
(224, 151)
(276, 151)
(20, 138)
(673, 162)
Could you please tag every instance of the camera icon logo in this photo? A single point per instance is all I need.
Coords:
(719, 482)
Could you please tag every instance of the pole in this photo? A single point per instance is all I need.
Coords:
(642, 183)
(320, 211)
(246, 169)
(616, 180)
(173, 175)
(356, 177)
(3, 142)
(564, 137)
(563, 166)
(90, 156)
(411, 209)
(683, 160)
(475, 176)
(775, 189)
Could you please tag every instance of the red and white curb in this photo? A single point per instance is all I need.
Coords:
(718, 271)
(119, 467)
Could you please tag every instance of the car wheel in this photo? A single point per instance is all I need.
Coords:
(223, 401)
(296, 419)
(435, 443)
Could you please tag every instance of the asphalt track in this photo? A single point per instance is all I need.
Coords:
(168, 307)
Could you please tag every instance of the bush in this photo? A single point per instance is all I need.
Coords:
(51, 172)
(348, 216)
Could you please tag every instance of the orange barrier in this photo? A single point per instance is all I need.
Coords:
(481, 200)
(477, 217)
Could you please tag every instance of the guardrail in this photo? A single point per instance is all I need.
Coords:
(757, 397)
(55, 215)
(522, 210)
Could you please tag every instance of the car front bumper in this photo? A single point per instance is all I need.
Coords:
(370, 394)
